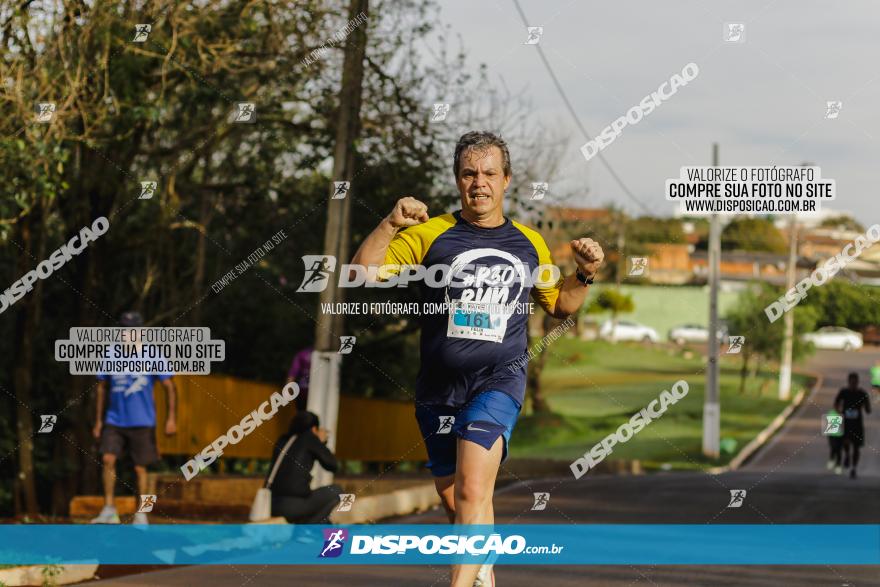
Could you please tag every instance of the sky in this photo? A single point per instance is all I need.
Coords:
(762, 100)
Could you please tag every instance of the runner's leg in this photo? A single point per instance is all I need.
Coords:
(141, 473)
(476, 469)
(446, 490)
(109, 477)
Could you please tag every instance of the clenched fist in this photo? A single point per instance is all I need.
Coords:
(408, 212)
(588, 255)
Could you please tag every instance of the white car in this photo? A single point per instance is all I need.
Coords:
(693, 333)
(627, 330)
(835, 337)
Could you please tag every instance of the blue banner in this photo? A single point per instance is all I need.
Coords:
(522, 544)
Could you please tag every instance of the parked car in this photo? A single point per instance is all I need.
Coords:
(627, 330)
(693, 333)
(835, 337)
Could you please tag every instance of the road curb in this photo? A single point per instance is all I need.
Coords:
(767, 433)
(34, 575)
(372, 508)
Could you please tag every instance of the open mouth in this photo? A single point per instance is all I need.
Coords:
(480, 197)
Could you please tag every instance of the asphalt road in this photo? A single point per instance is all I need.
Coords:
(785, 483)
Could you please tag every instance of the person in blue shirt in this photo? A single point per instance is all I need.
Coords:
(129, 422)
(472, 377)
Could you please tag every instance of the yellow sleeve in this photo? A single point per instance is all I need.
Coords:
(544, 291)
(409, 246)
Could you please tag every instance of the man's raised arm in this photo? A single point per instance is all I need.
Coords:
(407, 212)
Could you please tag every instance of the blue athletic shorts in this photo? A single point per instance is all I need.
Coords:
(482, 420)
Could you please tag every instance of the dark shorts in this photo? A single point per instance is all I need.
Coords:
(854, 432)
(140, 440)
(482, 420)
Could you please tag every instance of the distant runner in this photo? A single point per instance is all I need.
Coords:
(833, 419)
(472, 378)
(850, 401)
(129, 424)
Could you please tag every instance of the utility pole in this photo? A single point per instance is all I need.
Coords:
(326, 360)
(785, 365)
(711, 403)
(787, 341)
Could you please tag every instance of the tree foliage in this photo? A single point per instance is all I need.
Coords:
(162, 110)
(763, 339)
(752, 234)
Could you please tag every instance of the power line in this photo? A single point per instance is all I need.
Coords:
(577, 120)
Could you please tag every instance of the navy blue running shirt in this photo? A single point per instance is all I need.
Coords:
(480, 343)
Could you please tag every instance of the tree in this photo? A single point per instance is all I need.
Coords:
(763, 339)
(612, 300)
(161, 110)
(752, 234)
(842, 303)
(842, 222)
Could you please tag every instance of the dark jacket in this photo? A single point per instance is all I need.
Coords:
(294, 474)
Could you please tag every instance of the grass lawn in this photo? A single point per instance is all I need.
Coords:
(594, 387)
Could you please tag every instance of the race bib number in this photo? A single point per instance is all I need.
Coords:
(851, 414)
(474, 320)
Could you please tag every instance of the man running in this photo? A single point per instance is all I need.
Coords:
(850, 401)
(130, 422)
(472, 378)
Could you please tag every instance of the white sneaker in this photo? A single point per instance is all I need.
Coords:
(486, 577)
(140, 519)
(830, 465)
(838, 469)
(108, 515)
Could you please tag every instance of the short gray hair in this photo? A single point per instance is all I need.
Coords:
(481, 139)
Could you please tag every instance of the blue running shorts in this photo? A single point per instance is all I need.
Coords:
(482, 420)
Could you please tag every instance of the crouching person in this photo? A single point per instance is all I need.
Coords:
(291, 496)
